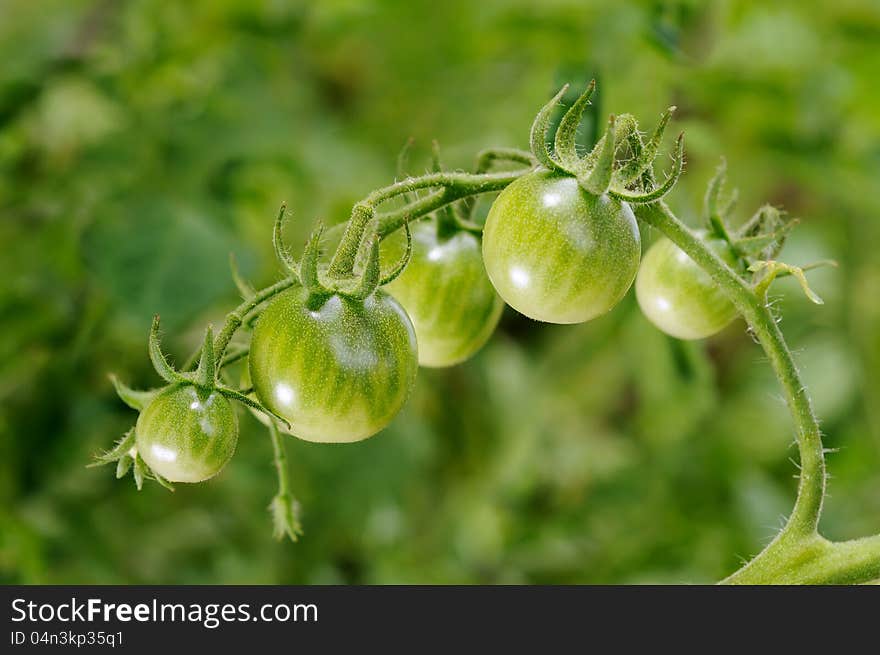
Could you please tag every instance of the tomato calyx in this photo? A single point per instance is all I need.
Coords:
(598, 172)
(757, 242)
(354, 271)
(205, 377)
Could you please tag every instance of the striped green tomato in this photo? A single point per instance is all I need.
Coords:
(338, 369)
(678, 296)
(557, 253)
(186, 434)
(446, 293)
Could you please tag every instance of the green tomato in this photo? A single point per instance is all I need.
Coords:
(339, 370)
(445, 291)
(186, 434)
(557, 253)
(678, 296)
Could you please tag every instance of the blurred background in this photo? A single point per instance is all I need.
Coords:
(142, 141)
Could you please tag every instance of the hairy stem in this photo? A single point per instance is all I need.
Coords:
(236, 317)
(798, 553)
(280, 457)
(449, 188)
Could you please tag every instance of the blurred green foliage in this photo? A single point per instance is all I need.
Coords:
(142, 141)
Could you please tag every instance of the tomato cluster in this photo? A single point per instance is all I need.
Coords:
(336, 345)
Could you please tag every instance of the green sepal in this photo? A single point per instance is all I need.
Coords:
(540, 130)
(394, 273)
(370, 273)
(643, 159)
(308, 268)
(124, 453)
(402, 166)
(625, 128)
(206, 371)
(160, 363)
(123, 464)
(139, 471)
(285, 510)
(132, 397)
(565, 142)
(281, 251)
(767, 221)
(158, 478)
(120, 449)
(598, 179)
(732, 199)
(660, 191)
(765, 246)
(232, 394)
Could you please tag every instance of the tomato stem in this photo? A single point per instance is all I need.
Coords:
(236, 317)
(450, 187)
(284, 507)
(855, 561)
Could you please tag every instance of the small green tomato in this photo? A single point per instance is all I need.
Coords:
(557, 253)
(338, 369)
(444, 289)
(679, 297)
(187, 435)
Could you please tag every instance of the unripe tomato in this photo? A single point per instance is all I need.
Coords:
(678, 296)
(337, 369)
(187, 435)
(557, 253)
(447, 294)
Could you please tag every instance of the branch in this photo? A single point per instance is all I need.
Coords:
(798, 554)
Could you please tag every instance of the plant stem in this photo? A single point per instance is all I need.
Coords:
(798, 553)
(236, 317)
(453, 186)
(284, 507)
(280, 458)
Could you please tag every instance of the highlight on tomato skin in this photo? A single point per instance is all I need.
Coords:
(337, 369)
(187, 435)
(678, 296)
(447, 294)
(557, 253)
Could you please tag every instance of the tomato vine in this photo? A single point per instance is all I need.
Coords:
(618, 173)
